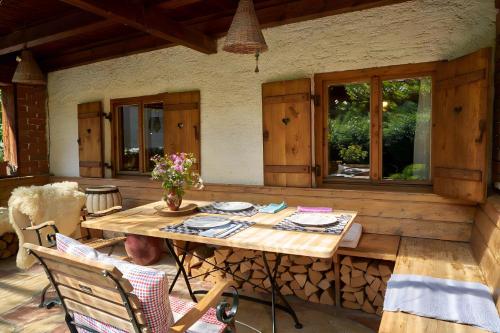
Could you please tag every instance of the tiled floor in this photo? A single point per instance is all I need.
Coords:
(20, 294)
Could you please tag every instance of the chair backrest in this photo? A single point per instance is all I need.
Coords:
(94, 289)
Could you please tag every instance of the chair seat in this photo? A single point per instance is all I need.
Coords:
(207, 324)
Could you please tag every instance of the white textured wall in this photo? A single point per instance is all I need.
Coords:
(231, 121)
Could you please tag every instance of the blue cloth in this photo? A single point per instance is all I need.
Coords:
(450, 300)
(273, 208)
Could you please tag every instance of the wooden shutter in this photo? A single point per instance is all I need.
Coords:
(461, 122)
(182, 124)
(90, 145)
(287, 133)
(9, 124)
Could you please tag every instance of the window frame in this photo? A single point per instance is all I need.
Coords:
(117, 131)
(375, 77)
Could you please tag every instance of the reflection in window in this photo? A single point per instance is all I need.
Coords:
(130, 138)
(349, 130)
(153, 132)
(406, 106)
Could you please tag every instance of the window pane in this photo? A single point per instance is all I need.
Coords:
(349, 130)
(407, 106)
(130, 140)
(153, 132)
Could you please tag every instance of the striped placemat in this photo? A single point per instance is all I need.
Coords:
(335, 228)
(182, 229)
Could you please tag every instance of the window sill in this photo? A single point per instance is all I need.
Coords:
(352, 184)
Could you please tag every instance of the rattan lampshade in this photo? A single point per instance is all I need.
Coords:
(27, 70)
(244, 35)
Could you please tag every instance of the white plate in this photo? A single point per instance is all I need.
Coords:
(206, 222)
(313, 219)
(232, 206)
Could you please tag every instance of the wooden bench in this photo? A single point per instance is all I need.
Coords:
(440, 259)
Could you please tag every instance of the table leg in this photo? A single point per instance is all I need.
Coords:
(275, 291)
(180, 265)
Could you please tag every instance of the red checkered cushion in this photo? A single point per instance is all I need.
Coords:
(207, 324)
(150, 287)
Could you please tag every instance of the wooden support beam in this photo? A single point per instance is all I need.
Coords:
(65, 27)
(151, 21)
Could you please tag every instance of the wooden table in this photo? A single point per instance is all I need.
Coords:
(261, 236)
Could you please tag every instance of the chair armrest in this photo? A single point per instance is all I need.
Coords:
(41, 225)
(209, 301)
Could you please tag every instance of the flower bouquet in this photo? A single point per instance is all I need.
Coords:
(175, 173)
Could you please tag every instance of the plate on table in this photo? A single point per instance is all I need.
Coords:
(313, 219)
(232, 206)
(206, 222)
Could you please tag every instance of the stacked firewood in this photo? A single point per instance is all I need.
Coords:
(9, 244)
(310, 279)
(363, 283)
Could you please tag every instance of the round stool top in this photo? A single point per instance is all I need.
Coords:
(102, 189)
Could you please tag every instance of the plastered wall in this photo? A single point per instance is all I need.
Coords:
(231, 121)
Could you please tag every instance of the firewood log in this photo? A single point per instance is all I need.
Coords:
(347, 261)
(301, 279)
(295, 285)
(346, 278)
(267, 283)
(375, 285)
(369, 278)
(349, 296)
(356, 272)
(285, 290)
(384, 269)
(314, 277)
(379, 300)
(245, 266)
(360, 264)
(380, 311)
(373, 269)
(351, 289)
(280, 282)
(344, 269)
(300, 294)
(298, 269)
(351, 305)
(221, 254)
(285, 261)
(235, 257)
(367, 307)
(358, 281)
(286, 276)
(360, 296)
(385, 278)
(330, 275)
(259, 275)
(301, 260)
(321, 266)
(324, 284)
(314, 298)
(256, 266)
(309, 288)
(327, 297)
(370, 294)
(281, 269)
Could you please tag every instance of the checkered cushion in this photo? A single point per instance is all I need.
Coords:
(150, 287)
(207, 324)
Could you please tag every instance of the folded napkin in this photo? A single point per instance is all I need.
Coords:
(221, 232)
(273, 208)
(450, 300)
(303, 209)
(351, 238)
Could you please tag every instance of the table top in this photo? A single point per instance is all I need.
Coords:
(144, 220)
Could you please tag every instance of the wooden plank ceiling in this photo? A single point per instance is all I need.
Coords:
(67, 33)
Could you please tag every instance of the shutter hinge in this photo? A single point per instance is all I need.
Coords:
(316, 99)
(106, 115)
(317, 170)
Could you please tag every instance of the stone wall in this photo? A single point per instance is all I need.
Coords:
(231, 108)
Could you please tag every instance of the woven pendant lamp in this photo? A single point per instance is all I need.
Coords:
(27, 71)
(244, 35)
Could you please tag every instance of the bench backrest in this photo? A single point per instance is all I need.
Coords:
(93, 289)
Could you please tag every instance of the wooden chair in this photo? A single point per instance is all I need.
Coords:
(98, 290)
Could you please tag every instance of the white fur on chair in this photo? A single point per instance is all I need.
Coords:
(29, 206)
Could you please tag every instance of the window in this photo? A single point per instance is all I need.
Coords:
(139, 132)
(149, 125)
(374, 125)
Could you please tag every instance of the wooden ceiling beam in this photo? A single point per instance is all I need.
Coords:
(151, 21)
(65, 27)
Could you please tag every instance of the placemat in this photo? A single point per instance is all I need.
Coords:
(335, 229)
(182, 229)
(210, 209)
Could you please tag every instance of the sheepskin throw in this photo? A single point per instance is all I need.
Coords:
(28, 206)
